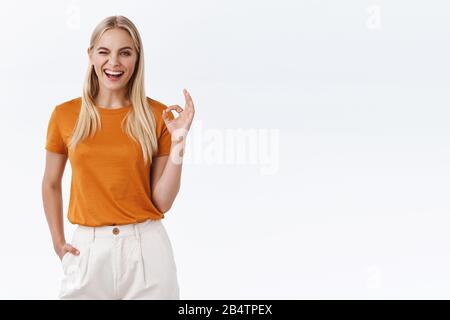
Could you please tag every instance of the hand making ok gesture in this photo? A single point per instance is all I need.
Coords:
(180, 126)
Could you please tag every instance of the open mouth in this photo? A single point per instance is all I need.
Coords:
(113, 75)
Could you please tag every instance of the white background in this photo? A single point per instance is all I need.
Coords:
(354, 93)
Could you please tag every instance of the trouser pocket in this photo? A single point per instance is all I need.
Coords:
(75, 267)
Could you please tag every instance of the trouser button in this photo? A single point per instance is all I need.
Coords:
(116, 231)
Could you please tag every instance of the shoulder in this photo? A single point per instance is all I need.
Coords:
(155, 105)
(158, 107)
(68, 107)
(65, 114)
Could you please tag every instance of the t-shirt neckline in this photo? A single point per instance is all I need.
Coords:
(106, 110)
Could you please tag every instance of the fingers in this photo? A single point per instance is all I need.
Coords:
(68, 247)
(187, 95)
(189, 114)
(166, 111)
(175, 107)
(189, 102)
(165, 115)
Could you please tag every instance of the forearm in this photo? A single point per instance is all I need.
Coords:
(169, 183)
(53, 207)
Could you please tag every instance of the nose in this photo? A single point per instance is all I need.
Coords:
(114, 60)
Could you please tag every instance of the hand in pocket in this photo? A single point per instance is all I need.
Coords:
(67, 248)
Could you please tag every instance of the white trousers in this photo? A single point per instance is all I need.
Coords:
(133, 261)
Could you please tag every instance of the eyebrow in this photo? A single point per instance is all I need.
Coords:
(103, 48)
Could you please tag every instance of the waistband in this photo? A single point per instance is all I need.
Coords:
(117, 231)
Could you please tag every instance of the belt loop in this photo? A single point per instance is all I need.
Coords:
(137, 232)
(93, 233)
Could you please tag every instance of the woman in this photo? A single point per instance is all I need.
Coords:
(125, 151)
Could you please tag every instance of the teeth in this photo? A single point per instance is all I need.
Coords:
(113, 73)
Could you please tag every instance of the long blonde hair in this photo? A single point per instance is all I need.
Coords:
(140, 121)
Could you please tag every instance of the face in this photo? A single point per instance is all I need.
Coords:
(114, 58)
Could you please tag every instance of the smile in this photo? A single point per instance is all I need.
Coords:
(113, 75)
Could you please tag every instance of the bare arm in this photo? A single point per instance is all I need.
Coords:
(166, 170)
(166, 177)
(52, 200)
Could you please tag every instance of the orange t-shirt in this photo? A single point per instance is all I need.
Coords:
(110, 182)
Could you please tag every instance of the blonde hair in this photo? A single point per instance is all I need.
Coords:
(140, 121)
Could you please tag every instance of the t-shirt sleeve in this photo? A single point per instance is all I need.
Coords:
(55, 142)
(164, 140)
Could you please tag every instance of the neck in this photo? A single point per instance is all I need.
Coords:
(112, 99)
